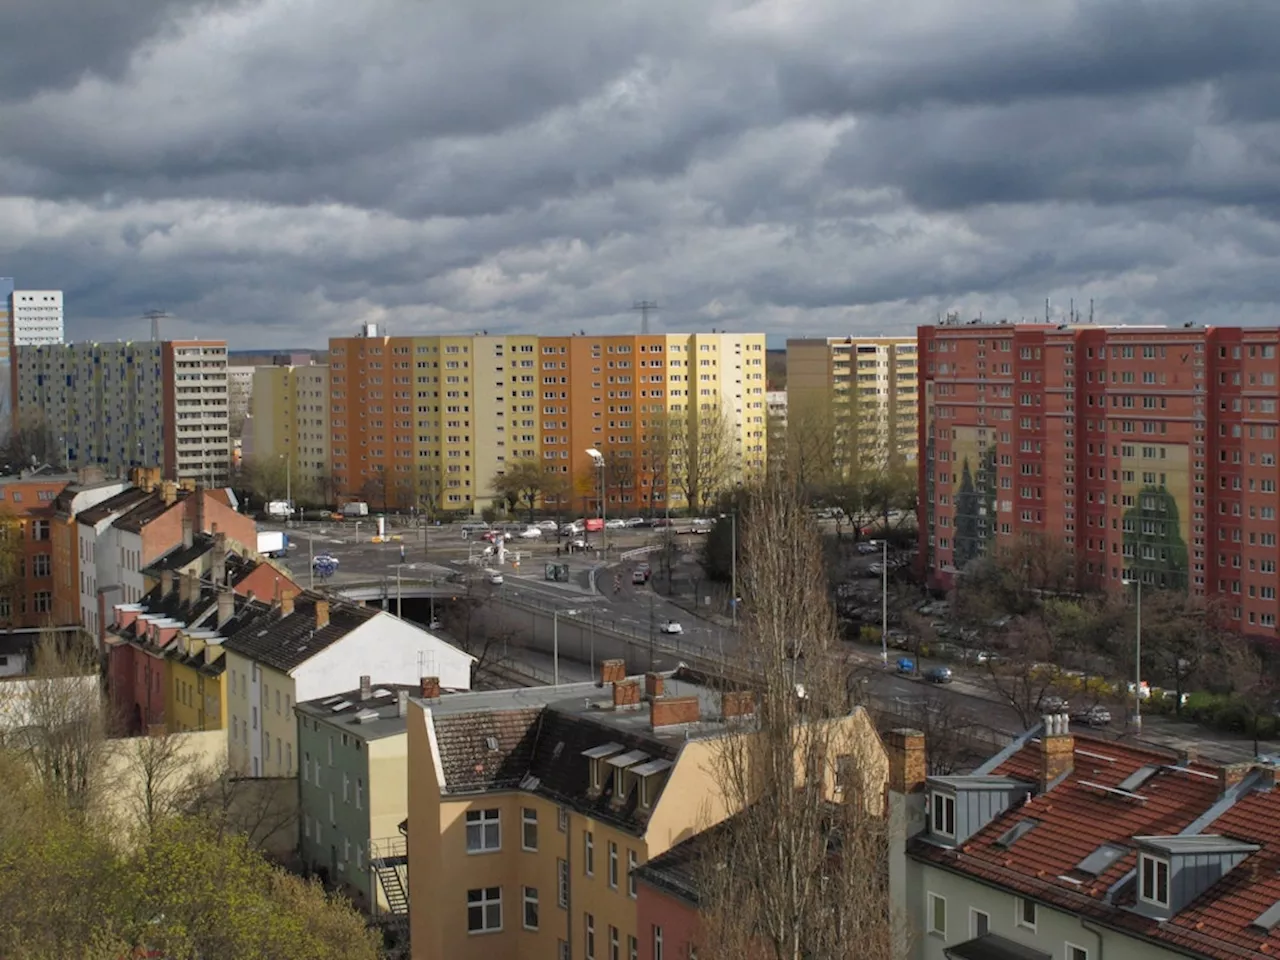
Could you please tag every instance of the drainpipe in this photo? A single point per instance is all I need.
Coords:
(1096, 932)
(568, 869)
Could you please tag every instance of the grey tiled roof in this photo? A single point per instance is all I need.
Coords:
(286, 642)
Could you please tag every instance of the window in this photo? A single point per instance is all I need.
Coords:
(633, 948)
(1073, 952)
(529, 829)
(359, 793)
(657, 942)
(588, 854)
(979, 923)
(484, 832)
(1026, 913)
(613, 865)
(563, 947)
(631, 874)
(943, 808)
(589, 943)
(531, 908)
(484, 910)
(613, 943)
(937, 915)
(562, 819)
(1154, 880)
(562, 875)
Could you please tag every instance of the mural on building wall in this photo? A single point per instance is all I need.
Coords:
(1158, 490)
(975, 469)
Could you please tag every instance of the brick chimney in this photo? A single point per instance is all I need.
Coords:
(626, 694)
(226, 605)
(653, 685)
(669, 711)
(190, 588)
(402, 703)
(737, 703)
(1230, 775)
(169, 493)
(219, 563)
(612, 671)
(198, 499)
(322, 614)
(188, 532)
(286, 603)
(1057, 750)
(905, 749)
(366, 688)
(166, 583)
(430, 688)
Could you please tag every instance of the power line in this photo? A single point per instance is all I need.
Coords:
(645, 307)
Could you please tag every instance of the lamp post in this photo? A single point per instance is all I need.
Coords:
(288, 482)
(555, 641)
(598, 457)
(1136, 582)
(884, 602)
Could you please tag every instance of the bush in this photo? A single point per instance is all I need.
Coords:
(869, 634)
(488, 514)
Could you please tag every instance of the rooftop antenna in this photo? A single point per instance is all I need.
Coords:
(1046, 309)
(155, 316)
(1091, 309)
(645, 307)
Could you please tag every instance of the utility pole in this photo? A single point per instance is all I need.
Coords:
(651, 637)
(399, 566)
(645, 307)
(311, 558)
(155, 316)
(733, 561)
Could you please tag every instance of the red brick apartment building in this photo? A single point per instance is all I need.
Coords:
(1149, 451)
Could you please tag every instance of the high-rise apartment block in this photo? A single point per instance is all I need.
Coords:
(291, 419)
(434, 419)
(35, 318)
(1149, 452)
(124, 405)
(858, 392)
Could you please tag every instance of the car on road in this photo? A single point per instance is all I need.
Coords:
(616, 524)
(494, 577)
(938, 675)
(639, 578)
(1053, 704)
(662, 522)
(868, 547)
(644, 567)
(569, 529)
(906, 665)
(672, 626)
(703, 525)
(876, 568)
(1095, 716)
(637, 522)
(531, 533)
(547, 525)
(577, 544)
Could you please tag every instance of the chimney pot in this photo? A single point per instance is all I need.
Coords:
(188, 531)
(669, 711)
(322, 614)
(905, 749)
(1057, 750)
(286, 603)
(612, 671)
(226, 605)
(430, 688)
(166, 583)
(1229, 775)
(653, 684)
(366, 688)
(402, 703)
(626, 694)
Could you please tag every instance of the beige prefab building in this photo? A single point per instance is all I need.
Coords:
(530, 811)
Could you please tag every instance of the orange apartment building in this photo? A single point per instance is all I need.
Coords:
(1149, 451)
(26, 522)
(434, 419)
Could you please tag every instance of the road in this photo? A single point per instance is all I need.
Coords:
(636, 610)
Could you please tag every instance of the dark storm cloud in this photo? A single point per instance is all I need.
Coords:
(284, 169)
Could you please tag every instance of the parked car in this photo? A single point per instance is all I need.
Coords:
(662, 522)
(495, 578)
(531, 533)
(637, 522)
(616, 524)
(638, 577)
(643, 567)
(672, 626)
(1095, 716)
(876, 568)
(1053, 705)
(906, 665)
(547, 525)
(938, 674)
(869, 546)
(577, 543)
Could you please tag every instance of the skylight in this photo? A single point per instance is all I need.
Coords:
(1016, 833)
(340, 705)
(1138, 778)
(1269, 917)
(1096, 863)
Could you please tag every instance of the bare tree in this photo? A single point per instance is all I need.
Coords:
(465, 622)
(161, 777)
(1028, 671)
(34, 441)
(267, 476)
(521, 481)
(428, 488)
(703, 450)
(1181, 637)
(1249, 672)
(800, 871)
(263, 810)
(57, 718)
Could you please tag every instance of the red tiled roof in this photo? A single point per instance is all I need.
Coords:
(1077, 816)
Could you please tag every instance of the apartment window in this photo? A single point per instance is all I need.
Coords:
(531, 908)
(1026, 913)
(979, 923)
(613, 865)
(1153, 880)
(589, 941)
(943, 808)
(588, 853)
(359, 793)
(657, 942)
(562, 876)
(562, 946)
(631, 874)
(529, 829)
(346, 789)
(562, 819)
(1074, 952)
(484, 831)
(614, 943)
(484, 910)
(937, 915)
(633, 948)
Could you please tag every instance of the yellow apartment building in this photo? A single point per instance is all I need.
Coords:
(291, 419)
(197, 697)
(430, 421)
(859, 392)
(530, 811)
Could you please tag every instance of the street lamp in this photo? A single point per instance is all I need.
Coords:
(555, 640)
(1137, 655)
(884, 601)
(288, 482)
(598, 457)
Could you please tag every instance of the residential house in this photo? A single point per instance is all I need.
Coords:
(220, 559)
(26, 516)
(531, 811)
(353, 791)
(99, 559)
(1070, 847)
(87, 491)
(313, 647)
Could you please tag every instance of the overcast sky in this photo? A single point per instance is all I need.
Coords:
(281, 170)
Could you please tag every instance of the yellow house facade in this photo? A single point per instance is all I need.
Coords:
(530, 811)
(197, 697)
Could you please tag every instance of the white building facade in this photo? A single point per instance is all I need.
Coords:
(37, 318)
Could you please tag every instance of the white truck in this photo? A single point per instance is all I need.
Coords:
(278, 509)
(356, 508)
(273, 543)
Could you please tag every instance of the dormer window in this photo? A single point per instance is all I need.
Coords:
(1153, 880)
(943, 810)
(596, 758)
